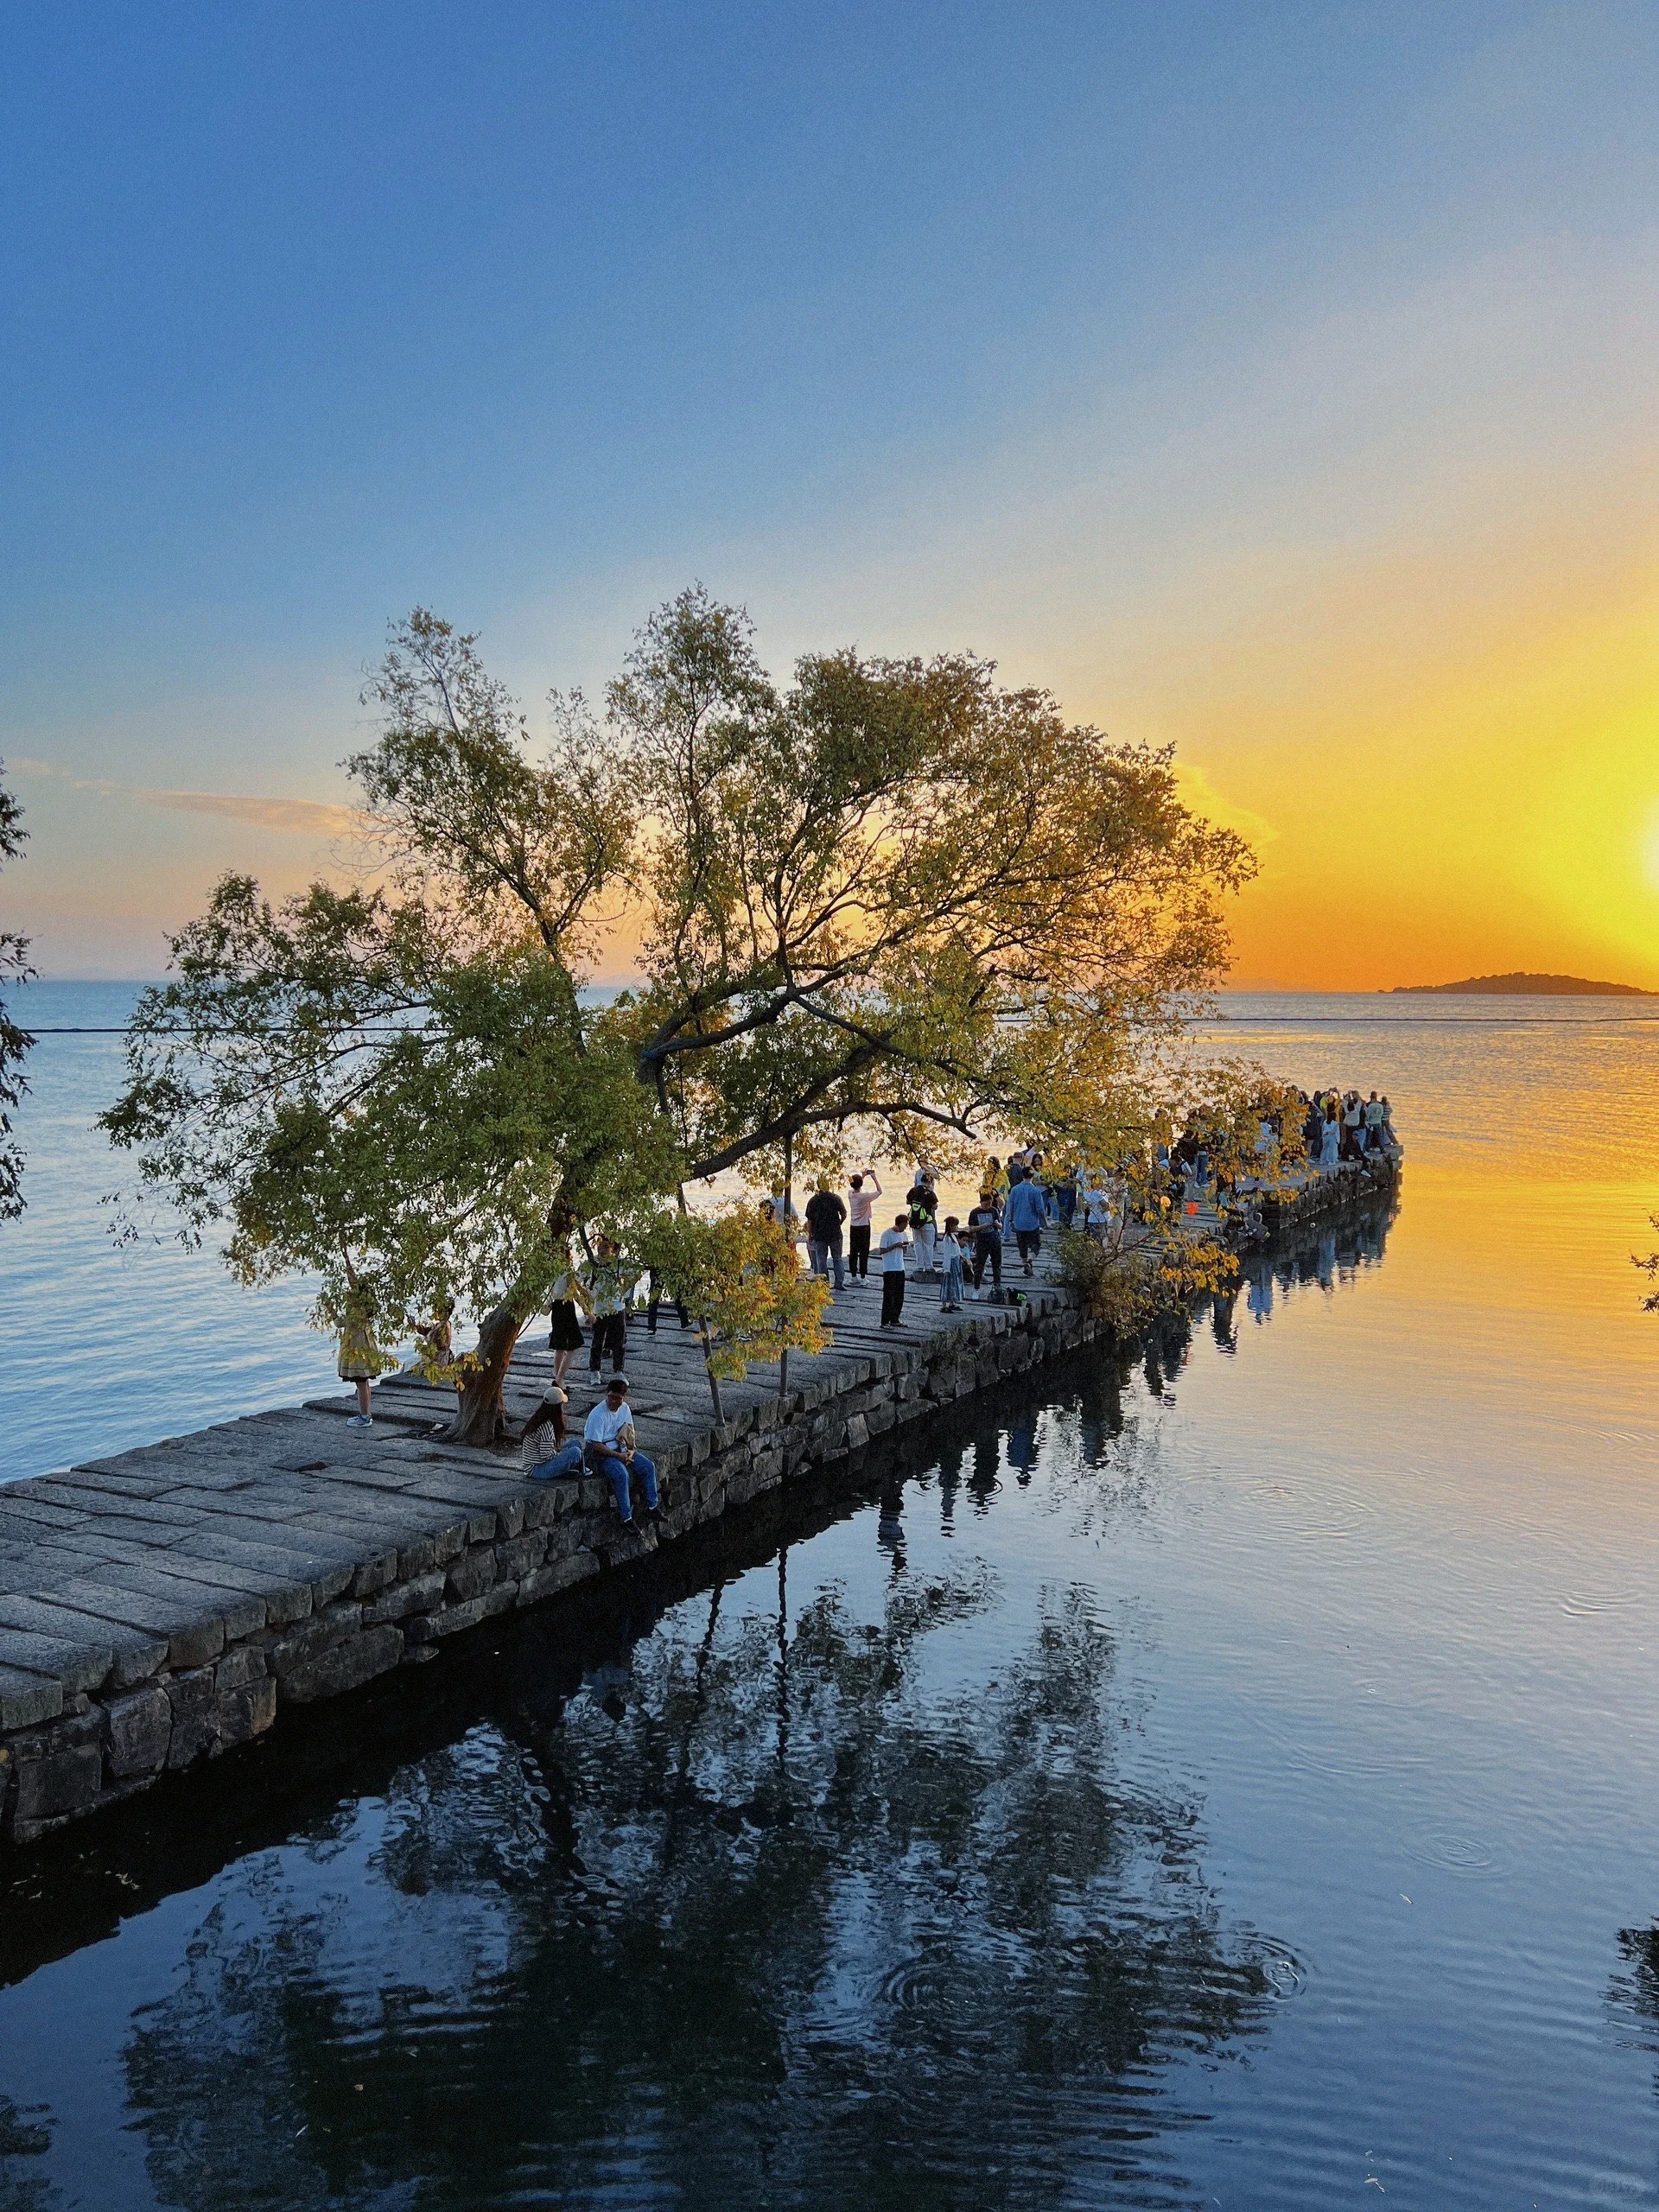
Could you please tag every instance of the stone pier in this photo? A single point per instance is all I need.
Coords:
(164, 1605)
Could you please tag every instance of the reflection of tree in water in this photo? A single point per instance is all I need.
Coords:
(1634, 1992)
(25, 2139)
(798, 1927)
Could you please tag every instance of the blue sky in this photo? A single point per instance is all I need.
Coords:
(1033, 329)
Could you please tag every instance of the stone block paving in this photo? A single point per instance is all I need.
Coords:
(161, 1606)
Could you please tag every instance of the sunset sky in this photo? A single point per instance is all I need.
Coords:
(1280, 380)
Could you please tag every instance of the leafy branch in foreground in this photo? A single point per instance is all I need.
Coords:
(1650, 1266)
(889, 905)
(15, 1042)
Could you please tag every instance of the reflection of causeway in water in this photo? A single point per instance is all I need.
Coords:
(769, 1909)
(1324, 1261)
(757, 1882)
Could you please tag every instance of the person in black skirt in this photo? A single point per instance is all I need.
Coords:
(564, 1333)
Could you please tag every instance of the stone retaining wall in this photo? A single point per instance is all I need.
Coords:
(212, 1644)
(137, 1706)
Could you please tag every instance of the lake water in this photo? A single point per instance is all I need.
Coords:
(1236, 1784)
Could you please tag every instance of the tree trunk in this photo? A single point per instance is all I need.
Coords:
(709, 1370)
(479, 1419)
(788, 1231)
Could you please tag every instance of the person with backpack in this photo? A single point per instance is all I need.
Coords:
(924, 1203)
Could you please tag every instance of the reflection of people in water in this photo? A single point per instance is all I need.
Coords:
(1022, 1445)
(890, 1523)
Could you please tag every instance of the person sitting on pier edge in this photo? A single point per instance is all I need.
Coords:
(825, 1214)
(859, 1202)
(547, 1449)
(1025, 1213)
(895, 1243)
(608, 1448)
(985, 1227)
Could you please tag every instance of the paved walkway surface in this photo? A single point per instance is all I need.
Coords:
(165, 1556)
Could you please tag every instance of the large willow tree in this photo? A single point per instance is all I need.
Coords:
(891, 901)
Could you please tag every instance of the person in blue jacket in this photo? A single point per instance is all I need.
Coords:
(1024, 1212)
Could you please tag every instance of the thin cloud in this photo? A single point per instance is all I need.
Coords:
(1201, 794)
(309, 817)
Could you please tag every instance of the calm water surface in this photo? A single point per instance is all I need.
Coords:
(1234, 1785)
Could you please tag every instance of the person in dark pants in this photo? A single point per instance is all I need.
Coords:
(1025, 1214)
(985, 1227)
(863, 1191)
(825, 1214)
(653, 1300)
(895, 1243)
(606, 1284)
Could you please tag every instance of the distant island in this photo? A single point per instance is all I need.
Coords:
(1542, 987)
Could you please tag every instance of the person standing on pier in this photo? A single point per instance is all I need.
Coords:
(609, 1449)
(862, 1190)
(1353, 1141)
(950, 1267)
(1025, 1214)
(895, 1243)
(360, 1358)
(1330, 1137)
(825, 1214)
(924, 1203)
(985, 1228)
(563, 1328)
(606, 1284)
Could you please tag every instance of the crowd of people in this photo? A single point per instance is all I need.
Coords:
(1020, 1198)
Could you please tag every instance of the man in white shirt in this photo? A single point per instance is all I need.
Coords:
(895, 1243)
(608, 1448)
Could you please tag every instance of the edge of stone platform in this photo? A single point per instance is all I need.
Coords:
(139, 1704)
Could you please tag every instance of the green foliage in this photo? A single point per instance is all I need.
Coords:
(1129, 1285)
(889, 904)
(1650, 1266)
(738, 1277)
(894, 905)
(349, 1092)
(15, 1042)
